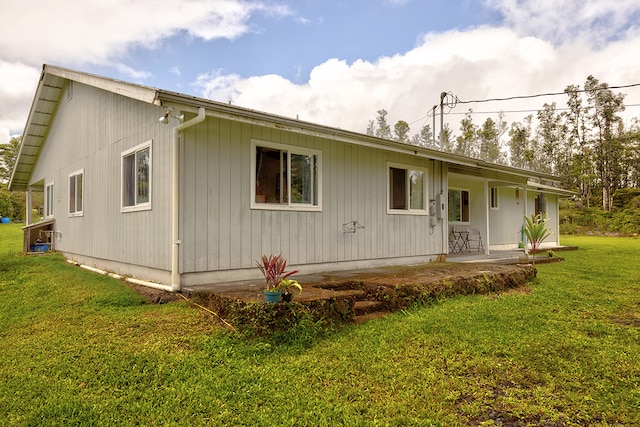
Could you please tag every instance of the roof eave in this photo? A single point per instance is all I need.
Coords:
(233, 112)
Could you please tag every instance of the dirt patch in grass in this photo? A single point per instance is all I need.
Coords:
(152, 295)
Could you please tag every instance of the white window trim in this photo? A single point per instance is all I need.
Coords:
(408, 211)
(76, 173)
(49, 208)
(448, 207)
(141, 206)
(289, 149)
(497, 198)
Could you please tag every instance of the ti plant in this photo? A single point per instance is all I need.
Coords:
(536, 230)
(273, 268)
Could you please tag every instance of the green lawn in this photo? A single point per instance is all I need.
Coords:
(82, 349)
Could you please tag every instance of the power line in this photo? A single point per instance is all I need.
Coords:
(517, 111)
(511, 98)
(451, 104)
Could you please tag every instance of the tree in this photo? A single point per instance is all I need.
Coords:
(521, 154)
(444, 139)
(466, 144)
(550, 132)
(401, 131)
(8, 156)
(604, 107)
(384, 130)
(371, 128)
(425, 137)
(576, 146)
(489, 140)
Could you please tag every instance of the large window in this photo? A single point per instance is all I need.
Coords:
(76, 183)
(407, 189)
(285, 177)
(49, 197)
(458, 205)
(136, 178)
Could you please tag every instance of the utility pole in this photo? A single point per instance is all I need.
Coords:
(443, 95)
(434, 125)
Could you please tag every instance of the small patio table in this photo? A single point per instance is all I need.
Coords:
(459, 241)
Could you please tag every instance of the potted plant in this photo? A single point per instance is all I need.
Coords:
(273, 268)
(286, 285)
(536, 231)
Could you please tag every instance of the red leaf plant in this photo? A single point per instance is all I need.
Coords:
(273, 268)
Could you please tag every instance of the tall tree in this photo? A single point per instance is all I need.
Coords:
(8, 156)
(632, 155)
(401, 131)
(604, 109)
(445, 139)
(520, 152)
(371, 128)
(581, 175)
(550, 133)
(489, 140)
(384, 130)
(466, 143)
(425, 137)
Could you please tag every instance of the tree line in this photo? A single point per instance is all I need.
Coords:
(588, 146)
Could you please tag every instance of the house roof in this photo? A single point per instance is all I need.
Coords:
(53, 81)
(51, 87)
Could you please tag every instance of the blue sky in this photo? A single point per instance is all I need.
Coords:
(310, 32)
(330, 62)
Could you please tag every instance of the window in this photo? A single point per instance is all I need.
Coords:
(48, 200)
(285, 177)
(540, 205)
(407, 189)
(493, 198)
(458, 205)
(76, 183)
(136, 178)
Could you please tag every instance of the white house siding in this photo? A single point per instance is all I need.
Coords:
(90, 131)
(551, 209)
(220, 231)
(477, 201)
(505, 223)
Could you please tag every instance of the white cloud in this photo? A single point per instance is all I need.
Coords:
(15, 96)
(594, 21)
(75, 32)
(475, 64)
(95, 31)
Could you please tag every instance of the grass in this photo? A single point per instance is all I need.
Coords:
(82, 349)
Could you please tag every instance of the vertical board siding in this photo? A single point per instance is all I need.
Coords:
(217, 176)
(90, 131)
(506, 222)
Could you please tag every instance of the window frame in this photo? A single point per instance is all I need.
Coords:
(494, 198)
(462, 220)
(290, 150)
(76, 212)
(540, 204)
(136, 206)
(425, 189)
(49, 199)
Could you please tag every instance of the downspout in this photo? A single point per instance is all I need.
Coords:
(175, 197)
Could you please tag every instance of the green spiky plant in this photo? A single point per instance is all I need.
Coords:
(536, 231)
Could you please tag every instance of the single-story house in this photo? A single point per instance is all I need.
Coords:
(178, 190)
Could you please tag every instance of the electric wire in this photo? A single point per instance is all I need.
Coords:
(450, 101)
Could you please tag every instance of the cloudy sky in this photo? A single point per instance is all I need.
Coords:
(334, 62)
